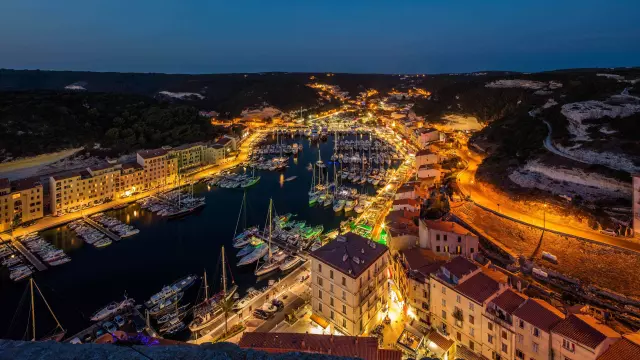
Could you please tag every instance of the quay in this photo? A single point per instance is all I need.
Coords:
(102, 229)
(28, 255)
(129, 313)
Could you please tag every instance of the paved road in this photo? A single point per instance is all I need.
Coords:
(53, 221)
(468, 185)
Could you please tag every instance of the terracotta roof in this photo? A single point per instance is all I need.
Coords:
(584, 329)
(479, 287)
(25, 184)
(623, 349)
(448, 226)
(463, 353)
(4, 183)
(424, 152)
(149, 154)
(406, 188)
(350, 346)
(509, 301)
(460, 266)
(412, 202)
(442, 342)
(539, 313)
(342, 252)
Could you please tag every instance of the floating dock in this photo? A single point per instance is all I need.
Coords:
(28, 255)
(102, 229)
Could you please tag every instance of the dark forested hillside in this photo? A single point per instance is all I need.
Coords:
(32, 123)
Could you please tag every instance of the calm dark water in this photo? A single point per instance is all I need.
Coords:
(162, 252)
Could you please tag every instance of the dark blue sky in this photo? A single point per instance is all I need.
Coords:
(208, 36)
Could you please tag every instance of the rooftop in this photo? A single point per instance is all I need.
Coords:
(24, 184)
(187, 146)
(509, 301)
(132, 165)
(65, 175)
(223, 141)
(363, 347)
(479, 287)
(4, 183)
(149, 154)
(350, 253)
(448, 226)
(412, 202)
(539, 313)
(101, 166)
(460, 266)
(422, 262)
(584, 329)
(627, 348)
(425, 130)
(424, 152)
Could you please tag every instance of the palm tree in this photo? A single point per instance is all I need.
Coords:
(227, 308)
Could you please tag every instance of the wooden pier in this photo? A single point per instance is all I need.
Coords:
(102, 229)
(28, 255)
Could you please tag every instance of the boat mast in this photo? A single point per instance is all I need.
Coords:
(206, 286)
(270, 215)
(33, 316)
(33, 311)
(224, 275)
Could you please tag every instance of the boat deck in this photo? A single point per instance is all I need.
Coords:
(29, 256)
(102, 229)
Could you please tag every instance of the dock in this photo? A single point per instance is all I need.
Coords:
(102, 229)
(126, 313)
(28, 255)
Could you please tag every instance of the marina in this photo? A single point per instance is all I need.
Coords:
(163, 249)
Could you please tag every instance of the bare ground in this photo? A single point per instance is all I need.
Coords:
(591, 263)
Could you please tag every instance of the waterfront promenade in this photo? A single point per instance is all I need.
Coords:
(53, 221)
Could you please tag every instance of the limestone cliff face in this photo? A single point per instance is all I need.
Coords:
(24, 350)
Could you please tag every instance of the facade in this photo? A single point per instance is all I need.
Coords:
(410, 205)
(214, 154)
(403, 232)
(581, 337)
(533, 321)
(406, 191)
(76, 190)
(160, 169)
(343, 346)
(636, 205)
(20, 201)
(498, 340)
(189, 156)
(426, 157)
(349, 282)
(430, 172)
(130, 181)
(460, 293)
(447, 238)
(428, 135)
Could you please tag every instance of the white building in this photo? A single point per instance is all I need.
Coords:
(447, 238)
(581, 337)
(533, 323)
(349, 282)
(426, 157)
(427, 136)
(432, 172)
(498, 341)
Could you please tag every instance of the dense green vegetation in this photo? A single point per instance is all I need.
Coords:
(32, 123)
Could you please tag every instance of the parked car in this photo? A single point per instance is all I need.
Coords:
(118, 320)
(608, 232)
(140, 324)
(109, 327)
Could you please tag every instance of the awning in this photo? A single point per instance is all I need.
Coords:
(440, 341)
(320, 321)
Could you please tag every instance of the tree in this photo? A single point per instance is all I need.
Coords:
(227, 307)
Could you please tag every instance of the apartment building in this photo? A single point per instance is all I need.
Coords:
(460, 293)
(214, 154)
(412, 270)
(189, 156)
(131, 179)
(533, 321)
(499, 335)
(426, 157)
(431, 172)
(160, 169)
(581, 337)
(410, 205)
(349, 282)
(20, 200)
(74, 190)
(427, 136)
(447, 238)
(627, 348)
(636, 205)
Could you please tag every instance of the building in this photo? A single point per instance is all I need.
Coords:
(214, 154)
(20, 201)
(534, 320)
(426, 157)
(430, 172)
(364, 347)
(460, 293)
(627, 348)
(581, 337)
(349, 282)
(413, 268)
(636, 205)
(498, 339)
(403, 232)
(229, 143)
(406, 191)
(131, 179)
(189, 156)
(428, 135)
(447, 238)
(75, 190)
(160, 169)
(410, 205)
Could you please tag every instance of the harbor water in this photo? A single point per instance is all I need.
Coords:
(164, 250)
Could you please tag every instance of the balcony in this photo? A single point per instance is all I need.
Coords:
(499, 317)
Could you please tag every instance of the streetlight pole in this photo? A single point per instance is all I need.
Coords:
(544, 217)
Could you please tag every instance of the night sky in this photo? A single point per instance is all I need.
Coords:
(208, 36)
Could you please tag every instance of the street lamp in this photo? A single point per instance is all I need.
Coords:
(544, 216)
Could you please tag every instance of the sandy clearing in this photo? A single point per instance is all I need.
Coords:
(27, 167)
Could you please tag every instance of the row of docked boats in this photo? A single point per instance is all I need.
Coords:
(89, 234)
(46, 251)
(18, 268)
(277, 149)
(173, 204)
(165, 305)
(123, 230)
(112, 308)
(230, 181)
